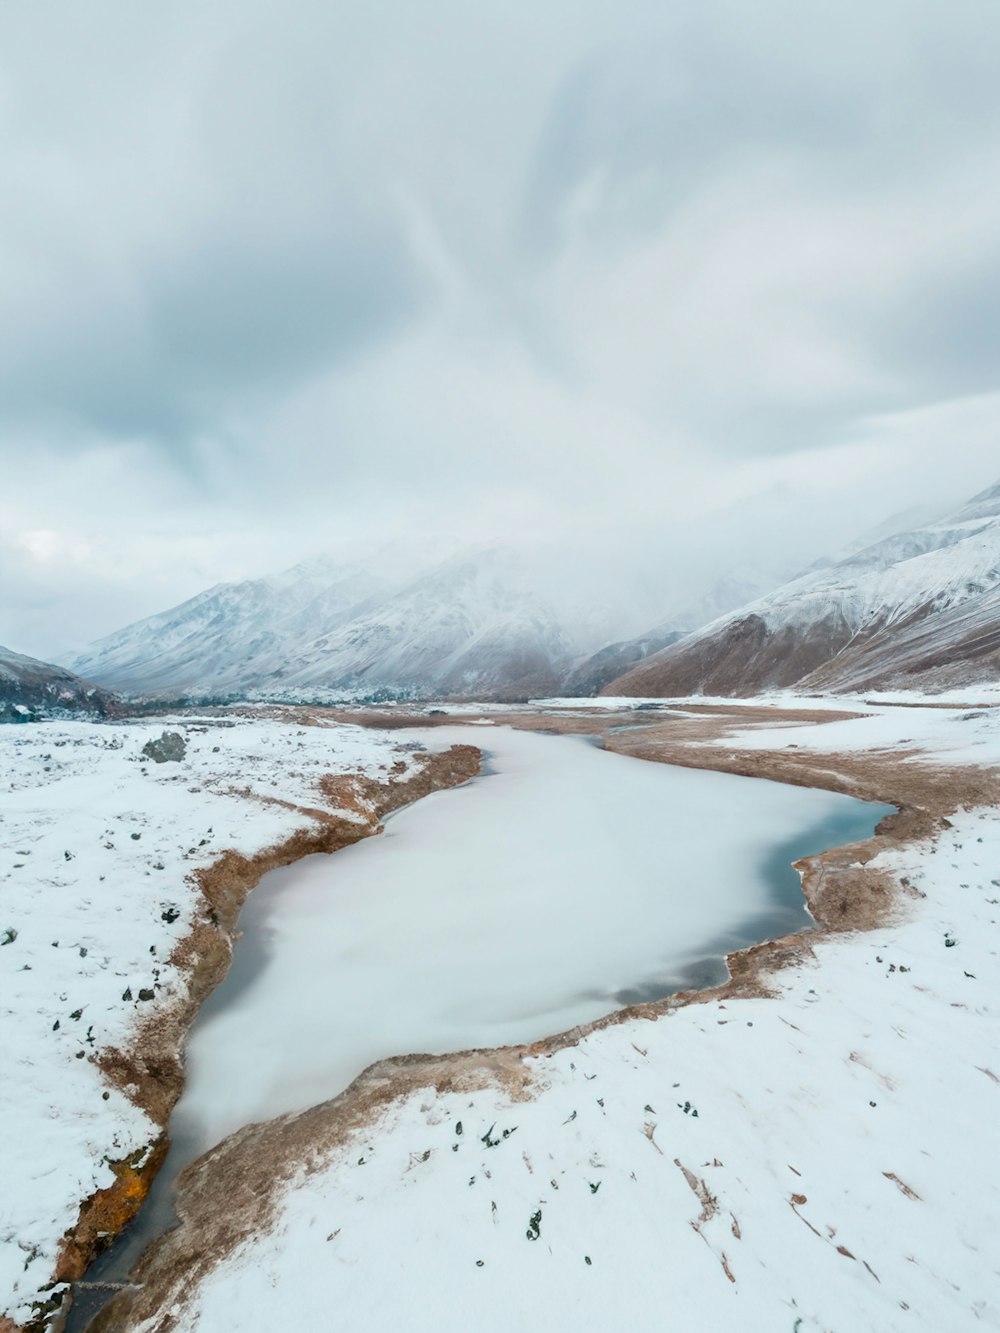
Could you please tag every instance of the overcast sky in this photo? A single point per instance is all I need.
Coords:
(691, 285)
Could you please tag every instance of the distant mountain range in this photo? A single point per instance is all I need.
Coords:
(29, 687)
(916, 610)
(474, 625)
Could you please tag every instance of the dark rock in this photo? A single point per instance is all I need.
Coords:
(170, 748)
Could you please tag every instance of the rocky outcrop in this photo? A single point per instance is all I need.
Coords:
(30, 688)
(170, 747)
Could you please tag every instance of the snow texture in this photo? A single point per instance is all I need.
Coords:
(97, 850)
(921, 735)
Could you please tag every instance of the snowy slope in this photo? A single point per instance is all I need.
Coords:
(918, 609)
(471, 625)
(820, 1159)
(27, 685)
(231, 634)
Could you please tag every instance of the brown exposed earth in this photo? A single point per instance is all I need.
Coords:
(844, 890)
(746, 656)
(928, 649)
(109, 1210)
(150, 1070)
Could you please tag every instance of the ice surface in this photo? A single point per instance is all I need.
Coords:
(510, 909)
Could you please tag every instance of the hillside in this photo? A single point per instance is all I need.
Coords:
(28, 686)
(608, 663)
(230, 635)
(472, 625)
(918, 610)
(465, 628)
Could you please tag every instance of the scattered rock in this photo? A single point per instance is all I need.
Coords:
(170, 748)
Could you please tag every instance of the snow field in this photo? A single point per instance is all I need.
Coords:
(97, 851)
(921, 735)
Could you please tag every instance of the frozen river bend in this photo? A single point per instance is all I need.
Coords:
(794, 1152)
(564, 883)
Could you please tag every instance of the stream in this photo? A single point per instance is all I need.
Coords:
(565, 882)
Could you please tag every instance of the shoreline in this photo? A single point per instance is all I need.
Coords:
(843, 892)
(150, 1069)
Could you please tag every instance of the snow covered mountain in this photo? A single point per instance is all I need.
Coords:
(472, 625)
(920, 609)
(230, 636)
(467, 627)
(28, 686)
(594, 672)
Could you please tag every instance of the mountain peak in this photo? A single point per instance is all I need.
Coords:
(469, 625)
(984, 505)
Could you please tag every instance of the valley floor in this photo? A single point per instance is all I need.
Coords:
(809, 1147)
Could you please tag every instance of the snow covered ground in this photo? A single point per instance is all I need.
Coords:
(929, 735)
(968, 697)
(821, 1160)
(97, 850)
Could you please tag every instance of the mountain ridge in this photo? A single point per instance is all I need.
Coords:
(481, 623)
(918, 609)
(912, 609)
(466, 625)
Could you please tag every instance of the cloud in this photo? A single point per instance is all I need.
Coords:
(158, 279)
(628, 275)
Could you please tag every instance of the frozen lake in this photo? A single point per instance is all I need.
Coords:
(564, 883)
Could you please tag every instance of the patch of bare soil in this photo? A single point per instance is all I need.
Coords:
(150, 1070)
(250, 1170)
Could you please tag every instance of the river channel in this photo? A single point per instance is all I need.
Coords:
(565, 882)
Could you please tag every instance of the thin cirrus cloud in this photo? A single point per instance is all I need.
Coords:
(331, 273)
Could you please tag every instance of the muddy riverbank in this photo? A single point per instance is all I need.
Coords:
(150, 1069)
